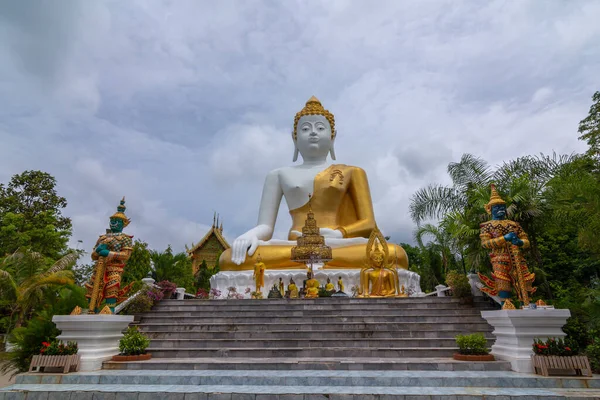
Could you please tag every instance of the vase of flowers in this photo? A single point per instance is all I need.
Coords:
(56, 354)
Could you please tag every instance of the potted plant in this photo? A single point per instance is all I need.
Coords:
(133, 346)
(56, 354)
(555, 354)
(472, 347)
(459, 283)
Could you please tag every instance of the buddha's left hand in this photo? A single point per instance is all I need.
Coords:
(331, 233)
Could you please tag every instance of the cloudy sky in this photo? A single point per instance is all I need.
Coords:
(184, 106)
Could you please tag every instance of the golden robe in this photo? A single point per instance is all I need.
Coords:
(341, 200)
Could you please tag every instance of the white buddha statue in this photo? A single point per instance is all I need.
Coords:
(341, 203)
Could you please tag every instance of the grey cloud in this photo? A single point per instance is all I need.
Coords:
(184, 107)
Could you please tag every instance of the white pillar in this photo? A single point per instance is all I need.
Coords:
(515, 330)
(97, 336)
(475, 283)
(441, 290)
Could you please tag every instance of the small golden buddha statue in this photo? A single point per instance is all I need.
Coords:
(378, 278)
(329, 286)
(340, 284)
(281, 287)
(259, 274)
(293, 289)
(312, 287)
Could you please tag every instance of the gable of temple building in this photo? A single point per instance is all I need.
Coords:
(209, 247)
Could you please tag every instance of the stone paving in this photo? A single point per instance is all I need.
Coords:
(262, 384)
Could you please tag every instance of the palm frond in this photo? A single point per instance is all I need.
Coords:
(66, 261)
(434, 201)
(8, 287)
(469, 171)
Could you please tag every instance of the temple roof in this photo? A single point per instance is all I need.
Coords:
(215, 230)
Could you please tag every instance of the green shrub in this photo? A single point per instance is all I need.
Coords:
(140, 304)
(593, 353)
(133, 343)
(578, 337)
(27, 340)
(459, 283)
(473, 344)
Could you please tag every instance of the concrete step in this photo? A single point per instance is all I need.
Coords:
(309, 385)
(164, 343)
(314, 319)
(311, 378)
(156, 333)
(222, 392)
(295, 352)
(307, 363)
(149, 325)
(284, 313)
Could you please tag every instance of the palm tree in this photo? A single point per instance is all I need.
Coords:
(441, 242)
(176, 268)
(25, 278)
(460, 207)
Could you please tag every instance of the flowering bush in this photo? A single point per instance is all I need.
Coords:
(214, 293)
(140, 304)
(168, 288)
(58, 348)
(552, 347)
(155, 295)
(233, 294)
(248, 290)
(202, 293)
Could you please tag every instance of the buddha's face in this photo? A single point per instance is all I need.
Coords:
(313, 136)
(377, 259)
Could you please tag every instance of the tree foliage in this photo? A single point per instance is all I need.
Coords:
(139, 263)
(176, 268)
(589, 127)
(26, 279)
(31, 215)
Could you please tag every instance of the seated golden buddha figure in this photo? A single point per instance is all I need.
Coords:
(312, 287)
(341, 202)
(378, 278)
(293, 289)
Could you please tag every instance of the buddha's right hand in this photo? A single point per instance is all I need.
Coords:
(246, 243)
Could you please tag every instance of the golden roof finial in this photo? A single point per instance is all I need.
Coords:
(494, 199)
(120, 214)
(314, 107)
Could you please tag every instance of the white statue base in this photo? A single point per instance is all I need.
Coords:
(242, 280)
(515, 330)
(97, 336)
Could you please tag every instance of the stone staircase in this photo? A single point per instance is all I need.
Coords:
(331, 333)
(335, 349)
